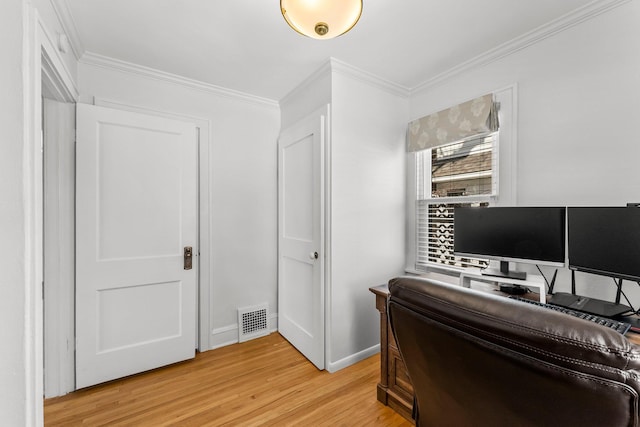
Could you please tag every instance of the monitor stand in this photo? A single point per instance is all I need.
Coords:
(505, 272)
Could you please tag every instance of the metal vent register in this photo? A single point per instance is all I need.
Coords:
(252, 322)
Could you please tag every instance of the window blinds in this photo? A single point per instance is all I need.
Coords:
(434, 236)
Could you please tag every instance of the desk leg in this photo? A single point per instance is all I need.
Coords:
(383, 385)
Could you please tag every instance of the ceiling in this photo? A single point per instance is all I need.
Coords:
(246, 45)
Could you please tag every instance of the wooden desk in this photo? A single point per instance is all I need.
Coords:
(395, 388)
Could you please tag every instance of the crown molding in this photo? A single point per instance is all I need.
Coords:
(556, 26)
(368, 78)
(96, 60)
(58, 82)
(335, 65)
(54, 67)
(61, 8)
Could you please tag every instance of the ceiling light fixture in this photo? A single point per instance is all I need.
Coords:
(321, 19)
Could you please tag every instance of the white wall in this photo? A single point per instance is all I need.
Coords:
(243, 178)
(13, 281)
(310, 95)
(365, 197)
(578, 97)
(367, 207)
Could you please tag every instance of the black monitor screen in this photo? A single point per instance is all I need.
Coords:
(526, 234)
(605, 240)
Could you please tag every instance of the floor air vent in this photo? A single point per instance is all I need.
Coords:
(252, 322)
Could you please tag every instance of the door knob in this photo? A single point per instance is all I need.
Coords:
(313, 255)
(188, 257)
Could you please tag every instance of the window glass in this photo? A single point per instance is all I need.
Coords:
(458, 174)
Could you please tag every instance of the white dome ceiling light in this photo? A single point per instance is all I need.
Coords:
(321, 19)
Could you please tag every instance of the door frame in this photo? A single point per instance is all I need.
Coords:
(59, 344)
(42, 64)
(59, 247)
(327, 200)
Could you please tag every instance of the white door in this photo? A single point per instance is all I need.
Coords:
(300, 236)
(135, 213)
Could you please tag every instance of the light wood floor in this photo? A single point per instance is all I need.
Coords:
(262, 382)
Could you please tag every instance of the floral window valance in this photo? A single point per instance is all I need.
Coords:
(459, 122)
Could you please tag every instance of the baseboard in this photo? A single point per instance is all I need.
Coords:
(227, 335)
(352, 359)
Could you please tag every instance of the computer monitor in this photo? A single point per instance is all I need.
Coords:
(605, 241)
(534, 235)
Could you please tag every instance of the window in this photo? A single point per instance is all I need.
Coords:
(462, 170)
(462, 173)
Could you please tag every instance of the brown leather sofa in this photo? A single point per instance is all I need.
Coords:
(481, 359)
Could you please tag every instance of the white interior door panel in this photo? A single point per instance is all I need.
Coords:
(136, 207)
(300, 237)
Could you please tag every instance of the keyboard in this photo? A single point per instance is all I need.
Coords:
(620, 327)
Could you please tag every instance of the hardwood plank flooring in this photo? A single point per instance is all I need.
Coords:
(262, 382)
